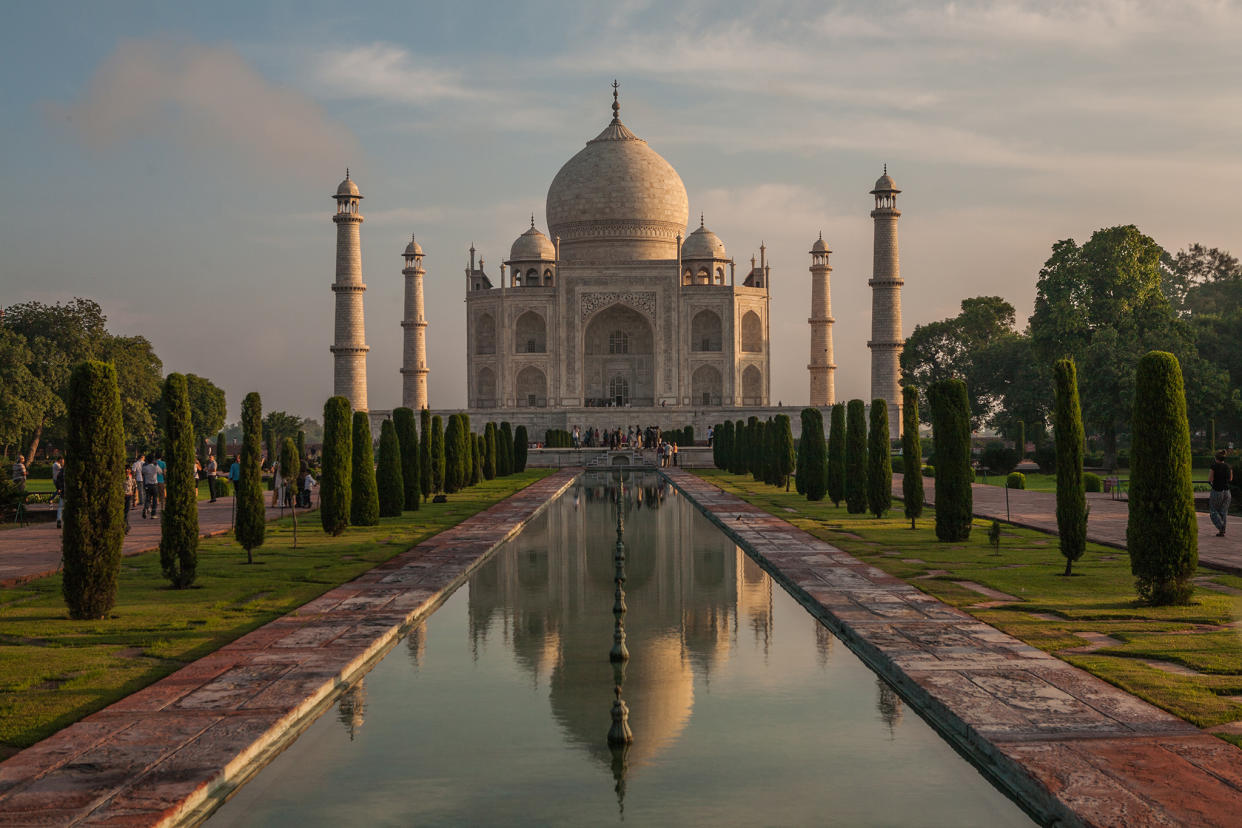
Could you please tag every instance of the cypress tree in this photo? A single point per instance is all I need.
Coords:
(476, 459)
(290, 468)
(951, 432)
(724, 444)
(879, 461)
(389, 476)
(179, 523)
(1020, 444)
(1162, 533)
(520, 447)
(489, 451)
(739, 456)
(221, 449)
(364, 499)
(1071, 491)
(836, 455)
(251, 523)
(716, 446)
(759, 451)
(771, 453)
(437, 454)
(813, 470)
(784, 449)
(94, 516)
(336, 476)
(912, 454)
(453, 465)
(800, 467)
(301, 448)
(504, 460)
(467, 451)
(407, 442)
(855, 458)
(424, 453)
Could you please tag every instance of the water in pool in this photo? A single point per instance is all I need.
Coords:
(496, 711)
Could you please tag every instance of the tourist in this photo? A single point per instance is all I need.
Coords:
(136, 468)
(161, 489)
(129, 490)
(674, 454)
(577, 438)
(211, 477)
(58, 486)
(1218, 499)
(19, 474)
(235, 474)
(308, 483)
(711, 433)
(150, 485)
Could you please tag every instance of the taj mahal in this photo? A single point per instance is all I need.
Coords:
(617, 316)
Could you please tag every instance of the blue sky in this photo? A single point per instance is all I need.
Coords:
(175, 161)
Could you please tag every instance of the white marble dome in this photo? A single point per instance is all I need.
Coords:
(348, 187)
(703, 244)
(617, 200)
(532, 246)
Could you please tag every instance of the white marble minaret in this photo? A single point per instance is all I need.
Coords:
(886, 341)
(414, 361)
(349, 351)
(823, 370)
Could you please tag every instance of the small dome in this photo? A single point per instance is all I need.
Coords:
(885, 183)
(820, 245)
(532, 246)
(348, 187)
(703, 244)
(413, 248)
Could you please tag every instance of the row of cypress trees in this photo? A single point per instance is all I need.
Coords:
(763, 449)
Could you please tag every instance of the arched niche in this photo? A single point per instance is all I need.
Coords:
(752, 333)
(752, 386)
(485, 388)
(706, 331)
(706, 385)
(531, 387)
(530, 334)
(619, 343)
(485, 334)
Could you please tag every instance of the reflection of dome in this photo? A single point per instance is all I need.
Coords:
(532, 245)
(617, 199)
(703, 244)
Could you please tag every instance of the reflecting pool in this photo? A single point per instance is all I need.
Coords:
(744, 709)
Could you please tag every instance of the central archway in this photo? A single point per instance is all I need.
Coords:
(618, 358)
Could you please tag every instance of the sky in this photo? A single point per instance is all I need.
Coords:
(175, 162)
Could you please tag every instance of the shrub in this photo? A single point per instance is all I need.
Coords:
(929, 471)
(179, 522)
(879, 468)
(835, 481)
(335, 477)
(425, 484)
(1045, 457)
(94, 516)
(453, 465)
(520, 446)
(489, 459)
(855, 458)
(222, 486)
(1162, 533)
(998, 458)
(389, 476)
(912, 451)
(1092, 482)
(1015, 480)
(504, 449)
(251, 522)
(364, 499)
(1068, 436)
(897, 463)
(951, 430)
(407, 442)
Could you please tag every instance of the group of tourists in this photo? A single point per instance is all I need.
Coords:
(634, 437)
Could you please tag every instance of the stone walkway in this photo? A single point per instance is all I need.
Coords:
(1106, 522)
(175, 749)
(1075, 749)
(33, 551)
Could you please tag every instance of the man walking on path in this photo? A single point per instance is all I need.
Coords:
(19, 473)
(1218, 500)
(235, 474)
(211, 476)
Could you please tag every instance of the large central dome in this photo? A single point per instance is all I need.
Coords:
(617, 200)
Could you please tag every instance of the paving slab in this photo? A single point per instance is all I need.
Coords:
(172, 751)
(1072, 748)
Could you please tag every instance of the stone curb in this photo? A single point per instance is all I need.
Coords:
(1070, 748)
(172, 752)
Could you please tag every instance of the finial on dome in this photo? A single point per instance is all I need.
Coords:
(821, 235)
(616, 105)
(532, 221)
(886, 169)
(700, 221)
(347, 173)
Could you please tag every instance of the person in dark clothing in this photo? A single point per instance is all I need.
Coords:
(1218, 500)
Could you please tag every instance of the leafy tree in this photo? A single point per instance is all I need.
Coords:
(251, 522)
(504, 460)
(855, 458)
(1202, 280)
(437, 453)
(336, 477)
(476, 459)
(24, 396)
(221, 453)
(1162, 533)
(1071, 494)
(300, 445)
(207, 407)
(951, 432)
(407, 437)
(179, 522)
(490, 449)
(94, 517)
(879, 461)
(425, 483)
(290, 468)
(1019, 442)
(388, 476)
(912, 455)
(520, 446)
(364, 495)
(784, 449)
(453, 465)
(813, 465)
(139, 373)
(278, 425)
(836, 455)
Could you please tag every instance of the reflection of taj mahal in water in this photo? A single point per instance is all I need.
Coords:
(617, 307)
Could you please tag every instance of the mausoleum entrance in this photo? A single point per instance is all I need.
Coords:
(619, 359)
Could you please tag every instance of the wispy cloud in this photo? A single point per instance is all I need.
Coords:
(207, 99)
(390, 73)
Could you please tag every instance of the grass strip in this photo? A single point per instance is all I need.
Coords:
(1186, 660)
(54, 671)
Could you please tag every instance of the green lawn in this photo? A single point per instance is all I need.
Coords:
(45, 486)
(54, 671)
(1051, 609)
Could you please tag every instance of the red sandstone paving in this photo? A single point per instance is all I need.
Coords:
(1106, 522)
(161, 752)
(1073, 746)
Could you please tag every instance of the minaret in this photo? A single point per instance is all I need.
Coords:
(823, 370)
(414, 363)
(886, 341)
(349, 353)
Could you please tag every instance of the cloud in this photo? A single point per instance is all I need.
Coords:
(206, 99)
(390, 73)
